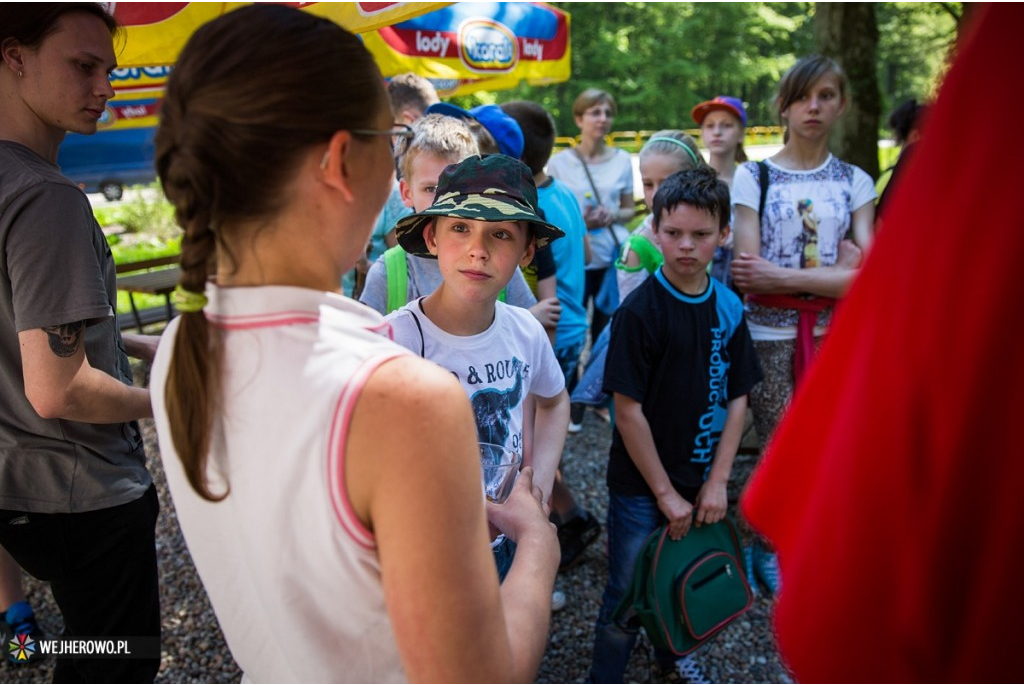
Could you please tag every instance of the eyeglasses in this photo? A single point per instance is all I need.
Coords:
(400, 134)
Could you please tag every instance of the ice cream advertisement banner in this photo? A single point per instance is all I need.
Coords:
(157, 31)
(472, 45)
(138, 94)
(461, 47)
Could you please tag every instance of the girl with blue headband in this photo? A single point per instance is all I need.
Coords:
(665, 153)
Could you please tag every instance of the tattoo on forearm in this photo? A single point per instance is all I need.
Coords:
(66, 338)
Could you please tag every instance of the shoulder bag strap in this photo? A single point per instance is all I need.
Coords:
(762, 172)
(597, 195)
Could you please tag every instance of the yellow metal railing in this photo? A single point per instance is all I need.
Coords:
(634, 140)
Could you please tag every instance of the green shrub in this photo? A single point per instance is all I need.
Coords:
(140, 250)
(147, 211)
(106, 216)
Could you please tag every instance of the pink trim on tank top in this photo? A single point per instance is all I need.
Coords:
(235, 323)
(347, 517)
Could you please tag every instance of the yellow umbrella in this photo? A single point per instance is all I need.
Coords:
(157, 31)
(461, 47)
(470, 46)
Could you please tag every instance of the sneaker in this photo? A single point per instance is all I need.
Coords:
(766, 564)
(575, 427)
(557, 600)
(690, 671)
(19, 620)
(576, 535)
(748, 568)
(603, 413)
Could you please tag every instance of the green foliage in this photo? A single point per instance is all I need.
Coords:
(150, 247)
(146, 211)
(660, 59)
(142, 301)
(137, 248)
(106, 216)
(915, 45)
(140, 228)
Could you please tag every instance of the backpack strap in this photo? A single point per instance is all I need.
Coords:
(762, 172)
(649, 255)
(398, 278)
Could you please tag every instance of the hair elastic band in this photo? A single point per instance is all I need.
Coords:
(666, 139)
(188, 302)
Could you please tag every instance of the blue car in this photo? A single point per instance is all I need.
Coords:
(109, 160)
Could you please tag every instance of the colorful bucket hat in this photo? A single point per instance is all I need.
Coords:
(491, 188)
(725, 103)
(503, 128)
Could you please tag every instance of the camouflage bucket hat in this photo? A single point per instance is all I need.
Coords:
(491, 188)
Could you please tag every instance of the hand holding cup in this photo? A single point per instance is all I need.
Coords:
(523, 512)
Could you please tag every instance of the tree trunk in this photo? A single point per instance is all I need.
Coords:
(848, 33)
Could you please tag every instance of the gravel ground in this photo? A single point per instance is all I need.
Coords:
(194, 649)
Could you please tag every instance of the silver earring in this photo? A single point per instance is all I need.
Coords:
(20, 74)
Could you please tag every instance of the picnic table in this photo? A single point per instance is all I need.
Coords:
(158, 276)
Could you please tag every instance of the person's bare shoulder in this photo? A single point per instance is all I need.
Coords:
(412, 425)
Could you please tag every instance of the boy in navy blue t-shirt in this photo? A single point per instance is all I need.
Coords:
(680, 365)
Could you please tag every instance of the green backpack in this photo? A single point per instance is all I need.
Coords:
(684, 592)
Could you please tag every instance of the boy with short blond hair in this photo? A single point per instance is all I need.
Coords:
(680, 365)
(445, 138)
(482, 226)
(437, 142)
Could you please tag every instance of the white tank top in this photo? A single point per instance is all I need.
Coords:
(292, 574)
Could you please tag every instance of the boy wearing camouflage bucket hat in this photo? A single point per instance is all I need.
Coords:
(492, 188)
(397, 278)
(483, 224)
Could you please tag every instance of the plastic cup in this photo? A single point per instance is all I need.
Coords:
(500, 467)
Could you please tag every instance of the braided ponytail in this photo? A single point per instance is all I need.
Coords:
(192, 382)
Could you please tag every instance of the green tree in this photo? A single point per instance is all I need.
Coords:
(660, 59)
(914, 48)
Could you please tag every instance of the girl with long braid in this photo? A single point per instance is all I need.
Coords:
(327, 482)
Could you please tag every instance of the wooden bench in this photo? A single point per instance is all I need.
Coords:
(158, 276)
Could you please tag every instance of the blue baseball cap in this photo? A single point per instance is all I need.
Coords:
(725, 103)
(502, 127)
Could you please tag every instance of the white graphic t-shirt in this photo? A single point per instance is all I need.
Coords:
(806, 215)
(498, 368)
